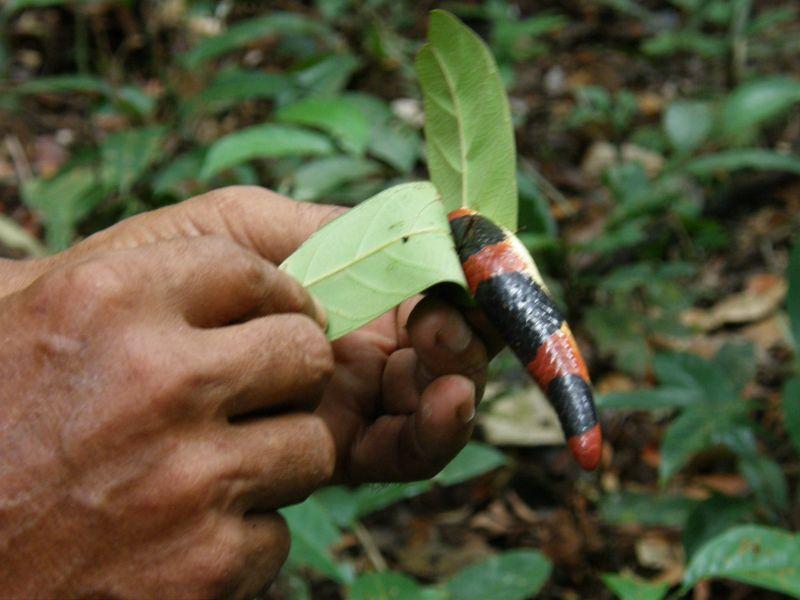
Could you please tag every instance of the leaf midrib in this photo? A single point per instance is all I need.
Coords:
(375, 250)
(462, 144)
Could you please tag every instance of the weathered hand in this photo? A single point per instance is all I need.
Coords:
(131, 463)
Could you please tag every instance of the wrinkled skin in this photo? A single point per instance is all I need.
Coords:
(166, 389)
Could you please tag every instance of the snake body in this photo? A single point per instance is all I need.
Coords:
(511, 293)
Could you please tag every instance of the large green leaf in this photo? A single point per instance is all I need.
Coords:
(339, 117)
(246, 32)
(747, 158)
(387, 585)
(263, 141)
(761, 556)
(369, 260)
(470, 141)
(126, 155)
(628, 587)
(513, 575)
(757, 102)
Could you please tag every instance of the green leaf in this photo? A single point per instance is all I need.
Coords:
(653, 399)
(63, 202)
(628, 587)
(126, 155)
(395, 144)
(262, 141)
(793, 297)
(63, 83)
(369, 260)
(391, 586)
(757, 102)
(746, 158)
(313, 532)
(697, 428)
(656, 510)
(470, 141)
(791, 410)
(323, 175)
(12, 235)
(338, 117)
(475, 459)
(175, 177)
(687, 124)
(233, 86)
(713, 516)
(762, 556)
(246, 32)
(766, 479)
(737, 362)
(513, 575)
(327, 76)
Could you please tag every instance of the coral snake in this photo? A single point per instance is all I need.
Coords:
(509, 290)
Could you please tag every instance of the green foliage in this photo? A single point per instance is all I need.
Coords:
(387, 249)
(471, 164)
(627, 587)
(513, 575)
(338, 116)
(762, 556)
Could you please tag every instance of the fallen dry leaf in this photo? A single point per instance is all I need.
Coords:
(523, 418)
(762, 296)
(657, 552)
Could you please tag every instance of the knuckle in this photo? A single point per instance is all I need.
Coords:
(316, 350)
(97, 280)
(222, 562)
(324, 460)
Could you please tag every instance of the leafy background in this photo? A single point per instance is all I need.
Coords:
(658, 179)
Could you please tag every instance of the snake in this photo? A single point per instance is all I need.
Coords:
(508, 288)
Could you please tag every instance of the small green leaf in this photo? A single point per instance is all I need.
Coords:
(762, 556)
(656, 510)
(63, 83)
(747, 158)
(262, 141)
(766, 479)
(654, 399)
(12, 235)
(470, 142)
(232, 86)
(396, 144)
(338, 117)
(63, 202)
(391, 586)
(791, 410)
(687, 124)
(126, 155)
(757, 102)
(475, 459)
(323, 175)
(628, 587)
(313, 532)
(713, 516)
(369, 260)
(327, 76)
(246, 32)
(697, 428)
(793, 297)
(513, 575)
(175, 177)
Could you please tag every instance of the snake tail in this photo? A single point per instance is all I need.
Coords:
(510, 291)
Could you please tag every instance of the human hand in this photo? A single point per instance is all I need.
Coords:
(132, 462)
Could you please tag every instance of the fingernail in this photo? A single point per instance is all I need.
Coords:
(466, 411)
(319, 314)
(455, 335)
